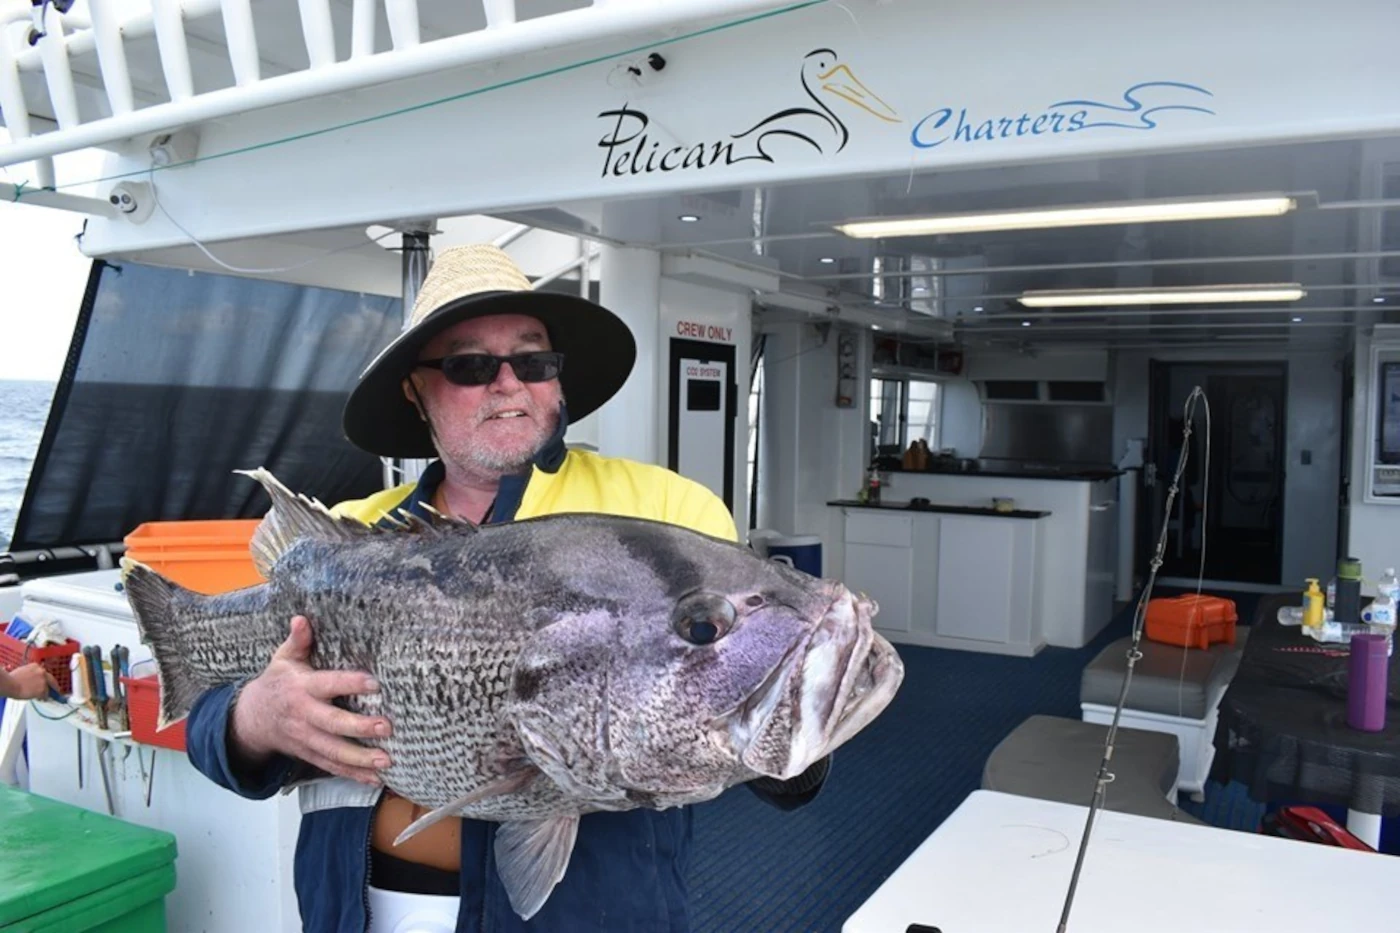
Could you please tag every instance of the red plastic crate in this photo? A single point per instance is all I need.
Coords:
(143, 708)
(55, 658)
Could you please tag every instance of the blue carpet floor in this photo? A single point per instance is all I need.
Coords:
(759, 869)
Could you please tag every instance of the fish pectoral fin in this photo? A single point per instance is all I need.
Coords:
(531, 857)
(505, 784)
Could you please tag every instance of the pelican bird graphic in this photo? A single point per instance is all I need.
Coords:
(819, 127)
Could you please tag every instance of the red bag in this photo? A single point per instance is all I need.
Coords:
(1309, 824)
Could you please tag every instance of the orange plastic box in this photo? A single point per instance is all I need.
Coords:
(143, 705)
(1192, 621)
(204, 556)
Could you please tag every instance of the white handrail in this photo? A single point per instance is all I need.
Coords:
(12, 106)
(403, 22)
(57, 72)
(242, 41)
(410, 58)
(111, 56)
(316, 28)
(363, 22)
(174, 51)
(499, 12)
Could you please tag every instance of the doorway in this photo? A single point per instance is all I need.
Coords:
(1233, 505)
(702, 411)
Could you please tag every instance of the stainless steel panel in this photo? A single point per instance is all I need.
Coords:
(1053, 433)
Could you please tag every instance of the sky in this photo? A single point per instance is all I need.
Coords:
(42, 273)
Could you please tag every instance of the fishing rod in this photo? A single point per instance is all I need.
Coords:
(1105, 777)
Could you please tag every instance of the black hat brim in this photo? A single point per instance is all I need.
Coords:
(599, 352)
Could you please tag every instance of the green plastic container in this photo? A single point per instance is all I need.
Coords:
(68, 870)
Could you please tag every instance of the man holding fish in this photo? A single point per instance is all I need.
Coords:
(567, 684)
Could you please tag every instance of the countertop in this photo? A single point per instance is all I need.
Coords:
(900, 506)
(1011, 470)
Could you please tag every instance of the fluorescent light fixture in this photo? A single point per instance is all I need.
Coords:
(1203, 294)
(826, 260)
(689, 218)
(1297, 320)
(1136, 212)
(1025, 323)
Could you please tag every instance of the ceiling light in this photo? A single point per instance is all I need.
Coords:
(827, 260)
(1139, 212)
(1297, 320)
(689, 218)
(1025, 323)
(977, 310)
(1104, 297)
(1378, 300)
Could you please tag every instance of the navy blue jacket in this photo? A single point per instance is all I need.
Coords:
(628, 871)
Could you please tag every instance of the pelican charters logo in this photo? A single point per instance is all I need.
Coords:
(831, 93)
(1138, 110)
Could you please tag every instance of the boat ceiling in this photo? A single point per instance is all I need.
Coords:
(1341, 243)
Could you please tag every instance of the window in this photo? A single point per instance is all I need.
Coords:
(902, 411)
(923, 413)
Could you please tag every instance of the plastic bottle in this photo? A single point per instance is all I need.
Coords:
(1348, 590)
(1382, 611)
(1312, 605)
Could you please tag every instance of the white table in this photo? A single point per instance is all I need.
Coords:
(1002, 864)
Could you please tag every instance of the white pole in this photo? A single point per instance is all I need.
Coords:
(363, 22)
(316, 27)
(242, 41)
(403, 22)
(174, 53)
(57, 72)
(499, 12)
(111, 56)
(12, 106)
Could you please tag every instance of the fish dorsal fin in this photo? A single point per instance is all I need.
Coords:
(293, 517)
(531, 857)
(508, 783)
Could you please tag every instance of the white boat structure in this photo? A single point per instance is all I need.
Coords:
(1019, 232)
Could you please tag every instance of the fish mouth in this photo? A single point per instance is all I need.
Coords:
(825, 690)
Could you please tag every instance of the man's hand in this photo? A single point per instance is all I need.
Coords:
(287, 709)
(30, 682)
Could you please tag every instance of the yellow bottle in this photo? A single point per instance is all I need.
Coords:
(1313, 614)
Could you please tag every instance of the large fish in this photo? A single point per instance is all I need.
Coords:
(542, 669)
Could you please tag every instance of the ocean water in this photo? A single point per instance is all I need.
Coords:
(24, 407)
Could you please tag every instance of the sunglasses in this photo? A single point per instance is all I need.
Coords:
(479, 369)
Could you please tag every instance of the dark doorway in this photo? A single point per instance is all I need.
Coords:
(1234, 505)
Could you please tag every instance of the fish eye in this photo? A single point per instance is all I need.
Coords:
(754, 601)
(703, 619)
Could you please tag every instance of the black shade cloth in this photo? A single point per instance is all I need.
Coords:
(1283, 724)
(175, 379)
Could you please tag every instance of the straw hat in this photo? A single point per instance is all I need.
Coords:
(474, 281)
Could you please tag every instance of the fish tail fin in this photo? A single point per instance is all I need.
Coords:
(152, 599)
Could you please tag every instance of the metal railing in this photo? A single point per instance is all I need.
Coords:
(48, 36)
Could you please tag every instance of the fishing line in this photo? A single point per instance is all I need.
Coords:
(562, 69)
(1105, 777)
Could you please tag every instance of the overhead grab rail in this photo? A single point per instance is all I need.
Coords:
(54, 34)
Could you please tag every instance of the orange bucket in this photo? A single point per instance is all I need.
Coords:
(205, 556)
